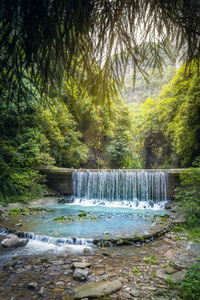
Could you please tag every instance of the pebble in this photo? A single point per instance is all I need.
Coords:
(32, 285)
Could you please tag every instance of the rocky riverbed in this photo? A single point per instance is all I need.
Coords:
(128, 272)
(141, 271)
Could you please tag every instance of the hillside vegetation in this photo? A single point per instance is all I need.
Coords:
(70, 131)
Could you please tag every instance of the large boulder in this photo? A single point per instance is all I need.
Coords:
(96, 290)
(12, 240)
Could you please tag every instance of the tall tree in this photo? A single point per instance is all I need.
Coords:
(44, 38)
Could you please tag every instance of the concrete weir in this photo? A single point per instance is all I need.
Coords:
(60, 179)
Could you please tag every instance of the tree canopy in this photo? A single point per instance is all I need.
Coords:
(42, 40)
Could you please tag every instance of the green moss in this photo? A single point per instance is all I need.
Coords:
(141, 238)
(82, 214)
(60, 218)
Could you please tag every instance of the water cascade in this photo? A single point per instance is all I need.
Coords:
(124, 186)
(47, 239)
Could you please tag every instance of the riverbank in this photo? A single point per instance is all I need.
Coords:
(145, 272)
(148, 270)
(45, 201)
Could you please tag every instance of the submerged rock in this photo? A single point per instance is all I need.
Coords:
(12, 240)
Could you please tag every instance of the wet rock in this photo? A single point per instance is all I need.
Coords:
(149, 288)
(18, 225)
(61, 200)
(168, 205)
(119, 243)
(96, 290)
(81, 265)
(127, 296)
(135, 292)
(107, 244)
(180, 218)
(12, 240)
(81, 274)
(158, 293)
(147, 241)
(86, 251)
(74, 259)
(102, 203)
(42, 292)
(170, 270)
(60, 283)
(10, 270)
(32, 285)
(69, 199)
(113, 297)
(176, 277)
(151, 203)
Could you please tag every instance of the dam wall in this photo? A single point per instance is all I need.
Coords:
(60, 179)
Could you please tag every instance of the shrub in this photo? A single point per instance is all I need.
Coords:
(190, 287)
(189, 194)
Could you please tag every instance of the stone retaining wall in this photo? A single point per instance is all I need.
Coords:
(59, 180)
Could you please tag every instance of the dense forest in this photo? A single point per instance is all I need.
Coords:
(70, 131)
(103, 85)
(65, 68)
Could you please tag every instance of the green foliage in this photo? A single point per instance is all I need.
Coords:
(59, 127)
(14, 211)
(142, 89)
(190, 288)
(151, 260)
(121, 149)
(170, 281)
(83, 31)
(34, 136)
(136, 271)
(189, 193)
(168, 125)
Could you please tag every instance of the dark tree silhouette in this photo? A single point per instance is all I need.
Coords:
(93, 40)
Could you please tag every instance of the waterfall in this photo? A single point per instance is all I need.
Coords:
(120, 185)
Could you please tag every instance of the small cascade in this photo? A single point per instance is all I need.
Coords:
(120, 185)
(47, 239)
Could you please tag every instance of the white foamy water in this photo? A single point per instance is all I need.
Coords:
(37, 247)
(135, 204)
